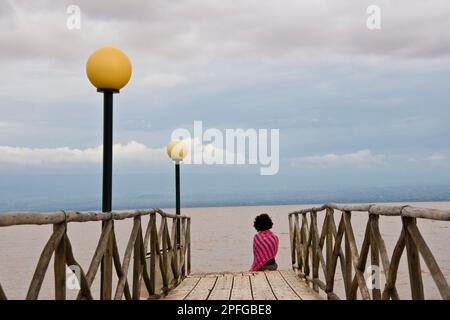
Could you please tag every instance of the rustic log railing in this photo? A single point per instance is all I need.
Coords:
(151, 253)
(308, 244)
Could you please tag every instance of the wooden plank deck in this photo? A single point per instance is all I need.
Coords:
(268, 285)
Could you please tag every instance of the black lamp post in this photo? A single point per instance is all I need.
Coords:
(177, 196)
(107, 148)
(109, 70)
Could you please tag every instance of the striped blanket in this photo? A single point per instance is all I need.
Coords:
(265, 247)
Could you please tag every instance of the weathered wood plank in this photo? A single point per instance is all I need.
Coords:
(241, 288)
(269, 285)
(299, 286)
(222, 289)
(280, 288)
(260, 287)
(203, 289)
(183, 289)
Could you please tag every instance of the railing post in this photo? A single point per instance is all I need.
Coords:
(60, 269)
(137, 266)
(188, 243)
(292, 228)
(315, 249)
(175, 250)
(415, 273)
(329, 243)
(348, 260)
(107, 267)
(305, 231)
(375, 257)
(167, 248)
(298, 243)
(153, 248)
(183, 247)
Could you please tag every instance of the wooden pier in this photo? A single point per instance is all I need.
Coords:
(161, 268)
(268, 285)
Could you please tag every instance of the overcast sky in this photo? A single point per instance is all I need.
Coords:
(346, 99)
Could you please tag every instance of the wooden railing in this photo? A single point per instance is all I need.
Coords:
(155, 254)
(308, 245)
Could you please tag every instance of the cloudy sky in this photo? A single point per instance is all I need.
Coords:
(350, 103)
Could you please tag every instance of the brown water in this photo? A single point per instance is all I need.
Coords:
(221, 241)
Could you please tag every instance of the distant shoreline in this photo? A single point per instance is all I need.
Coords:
(83, 193)
(443, 203)
(310, 204)
(433, 204)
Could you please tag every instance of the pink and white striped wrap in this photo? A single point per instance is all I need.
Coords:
(265, 247)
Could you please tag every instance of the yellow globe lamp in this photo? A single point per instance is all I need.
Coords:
(108, 68)
(176, 150)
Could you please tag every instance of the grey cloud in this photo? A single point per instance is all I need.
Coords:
(208, 30)
(225, 62)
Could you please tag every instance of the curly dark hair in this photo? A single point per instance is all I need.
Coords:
(263, 222)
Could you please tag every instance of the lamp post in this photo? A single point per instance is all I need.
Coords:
(176, 150)
(109, 70)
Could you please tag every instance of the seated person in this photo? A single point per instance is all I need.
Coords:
(265, 245)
